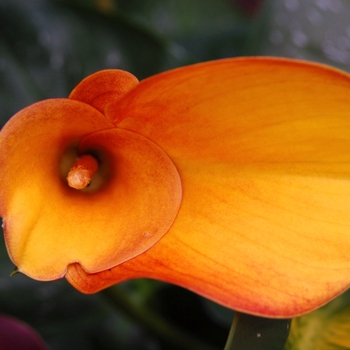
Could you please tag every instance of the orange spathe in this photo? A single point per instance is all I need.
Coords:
(242, 164)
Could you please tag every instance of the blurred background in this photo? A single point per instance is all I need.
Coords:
(48, 46)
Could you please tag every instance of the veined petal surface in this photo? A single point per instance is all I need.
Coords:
(262, 147)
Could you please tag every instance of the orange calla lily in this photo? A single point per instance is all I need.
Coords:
(230, 178)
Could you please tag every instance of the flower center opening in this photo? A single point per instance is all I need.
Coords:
(82, 171)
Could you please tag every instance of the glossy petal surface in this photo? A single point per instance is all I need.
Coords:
(263, 151)
(131, 202)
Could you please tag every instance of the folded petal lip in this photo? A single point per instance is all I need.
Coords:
(102, 87)
(155, 179)
(42, 199)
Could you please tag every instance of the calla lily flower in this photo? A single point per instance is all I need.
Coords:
(230, 178)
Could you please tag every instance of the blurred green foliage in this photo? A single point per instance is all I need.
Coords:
(47, 47)
(327, 328)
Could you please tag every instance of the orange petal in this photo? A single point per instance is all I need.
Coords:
(104, 87)
(131, 201)
(141, 199)
(263, 151)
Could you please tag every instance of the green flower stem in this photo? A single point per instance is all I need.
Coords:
(153, 322)
(229, 343)
(257, 333)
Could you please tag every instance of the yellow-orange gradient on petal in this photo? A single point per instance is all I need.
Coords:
(262, 150)
(130, 204)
